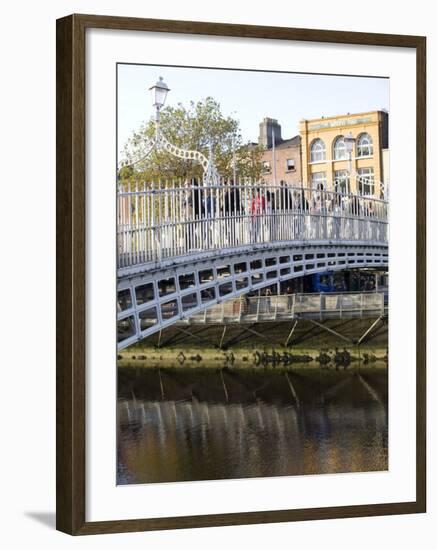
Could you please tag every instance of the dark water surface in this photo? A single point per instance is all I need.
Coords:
(202, 424)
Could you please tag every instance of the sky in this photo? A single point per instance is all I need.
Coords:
(247, 96)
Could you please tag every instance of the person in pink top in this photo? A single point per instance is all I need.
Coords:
(258, 208)
(258, 204)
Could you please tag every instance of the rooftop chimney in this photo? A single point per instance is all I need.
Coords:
(265, 132)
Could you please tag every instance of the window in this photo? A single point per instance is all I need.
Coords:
(225, 289)
(223, 271)
(340, 152)
(125, 328)
(317, 151)
(341, 181)
(318, 180)
(124, 299)
(189, 301)
(266, 166)
(166, 286)
(270, 261)
(241, 283)
(144, 293)
(366, 181)
(186, 281)
(240, 267)
(169, 309)
(206, 275)
(207, 295)
(290, 165)
(148, 318)
(364, 145)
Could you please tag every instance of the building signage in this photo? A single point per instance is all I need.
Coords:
(335, 123)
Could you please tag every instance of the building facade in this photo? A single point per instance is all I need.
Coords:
(326, 162)
(281, 158)
(386, 171)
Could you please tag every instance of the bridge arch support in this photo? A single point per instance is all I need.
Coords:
(151, 298)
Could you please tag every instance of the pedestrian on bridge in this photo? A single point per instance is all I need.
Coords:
(289, 293)
(193, 206)
(258, 209)
(336, 219)
(271, 215)
(210, 229)
(285, 197)
(231, 211)
(231, 202)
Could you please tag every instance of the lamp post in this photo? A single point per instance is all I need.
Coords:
(349, 142)
(234, 161)
(159, 93)
(274, 154)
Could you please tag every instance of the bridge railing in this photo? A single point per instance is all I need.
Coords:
(163, 220)
(259, 309)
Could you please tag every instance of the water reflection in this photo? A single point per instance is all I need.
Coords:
(199, 424)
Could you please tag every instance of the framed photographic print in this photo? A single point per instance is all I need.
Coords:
(240, 274)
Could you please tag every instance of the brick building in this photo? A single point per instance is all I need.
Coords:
(286, 153)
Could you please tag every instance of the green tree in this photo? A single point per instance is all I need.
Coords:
(195, 128)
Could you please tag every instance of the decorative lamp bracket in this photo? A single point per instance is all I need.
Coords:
(160, 142)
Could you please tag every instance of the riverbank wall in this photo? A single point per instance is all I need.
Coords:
(331, 343)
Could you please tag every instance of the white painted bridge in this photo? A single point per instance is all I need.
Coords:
(184, 248)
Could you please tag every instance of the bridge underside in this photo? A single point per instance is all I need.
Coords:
(151, 298)
(298, 334)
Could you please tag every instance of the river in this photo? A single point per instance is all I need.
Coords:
(207, 423)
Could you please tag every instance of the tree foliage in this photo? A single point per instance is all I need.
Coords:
(195, 128)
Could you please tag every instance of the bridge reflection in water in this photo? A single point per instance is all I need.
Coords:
(200, 424)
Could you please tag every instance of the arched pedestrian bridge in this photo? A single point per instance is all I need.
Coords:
(182, 249)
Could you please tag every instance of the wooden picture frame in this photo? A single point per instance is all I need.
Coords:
(71, 254)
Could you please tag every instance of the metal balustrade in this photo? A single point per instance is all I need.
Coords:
(261, 309)
(163, 220)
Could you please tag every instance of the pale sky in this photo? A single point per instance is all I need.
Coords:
(247, 96)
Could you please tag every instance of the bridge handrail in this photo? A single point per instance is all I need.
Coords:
(163, 221)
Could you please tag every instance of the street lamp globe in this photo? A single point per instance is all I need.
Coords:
(159, 93)
(349, 142)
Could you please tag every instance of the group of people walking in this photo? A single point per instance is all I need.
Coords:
(231, 214)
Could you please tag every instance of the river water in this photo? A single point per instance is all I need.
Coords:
(204, 424)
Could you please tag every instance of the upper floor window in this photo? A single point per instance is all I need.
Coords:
(340, 152)
(364, 145)
(317, 150)
(290, 165)
(266, 166)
